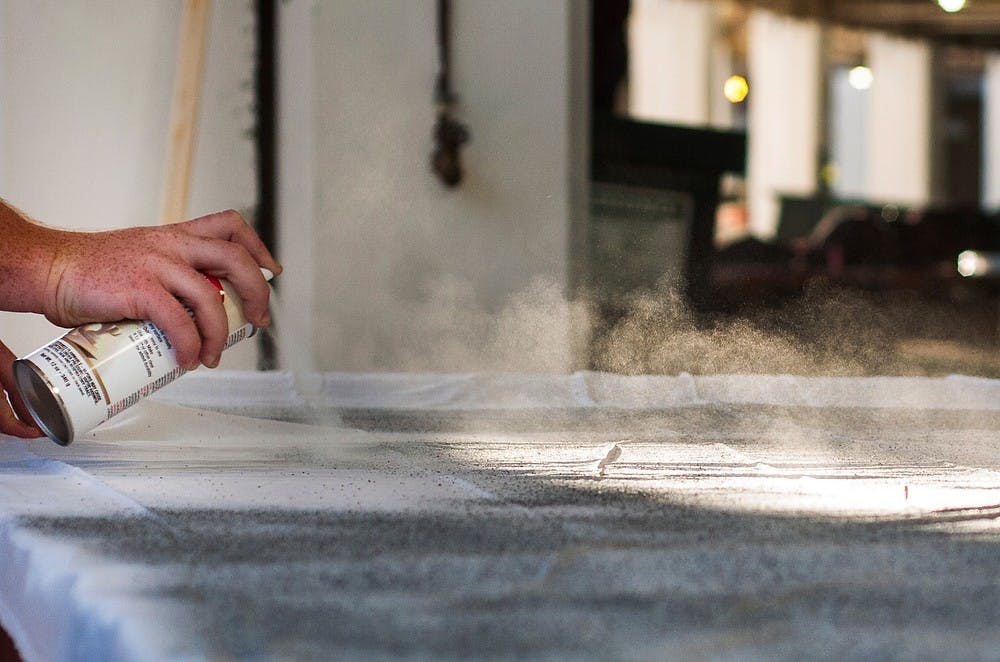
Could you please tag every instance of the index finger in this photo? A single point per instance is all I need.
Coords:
(231, 226)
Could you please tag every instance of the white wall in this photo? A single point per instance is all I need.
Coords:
(407, 274)
(84, 119)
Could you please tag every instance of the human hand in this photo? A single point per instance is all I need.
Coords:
(14, 417)
(156, 273)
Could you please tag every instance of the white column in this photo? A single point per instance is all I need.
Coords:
(670, 60)
(899, 120)
(848, 136)
(783, 61)
(297, 178)
(991, 132)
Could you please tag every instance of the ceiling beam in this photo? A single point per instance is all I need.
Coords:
(978, 25)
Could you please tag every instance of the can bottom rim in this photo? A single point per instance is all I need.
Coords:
(43, 402)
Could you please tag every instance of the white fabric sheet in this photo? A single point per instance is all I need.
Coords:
(581, 389)
(99, 542)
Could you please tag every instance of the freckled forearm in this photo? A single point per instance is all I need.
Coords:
(25, 260)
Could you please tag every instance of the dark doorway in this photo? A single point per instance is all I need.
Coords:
(963, 140)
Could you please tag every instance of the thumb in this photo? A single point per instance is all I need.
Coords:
(14, 417)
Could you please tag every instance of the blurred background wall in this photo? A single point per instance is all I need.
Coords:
(384, 262)
(387, 269)
(404, 273)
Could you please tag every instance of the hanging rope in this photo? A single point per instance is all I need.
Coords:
(449, 134)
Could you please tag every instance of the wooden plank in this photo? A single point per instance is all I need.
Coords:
(184, 109)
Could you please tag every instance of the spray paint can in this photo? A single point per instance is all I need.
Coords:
(96, 371)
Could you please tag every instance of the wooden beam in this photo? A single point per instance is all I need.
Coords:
(979, 18)
(976, 26)
(184, 109)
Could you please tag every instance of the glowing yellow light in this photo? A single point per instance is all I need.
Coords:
(951, 6)
(736, 89)
(860, 78)
(829, 173)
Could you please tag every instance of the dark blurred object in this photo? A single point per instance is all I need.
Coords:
(752, 271)
(266, 130)
(798, 215)
(940, 234)
(665, 183)
(876, 248)
(654, 196)
(851, 236)
(609, 53)
(856, 236)
(449, 134)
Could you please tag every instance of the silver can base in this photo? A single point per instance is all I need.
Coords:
(43, 402)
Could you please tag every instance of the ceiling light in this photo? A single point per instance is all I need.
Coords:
(736, 88)
(860, 78)
(951, 6)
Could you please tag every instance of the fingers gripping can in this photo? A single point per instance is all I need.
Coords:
(96, 371)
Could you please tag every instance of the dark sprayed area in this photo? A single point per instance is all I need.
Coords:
(741, 419)
(617, 574)
(565, 563)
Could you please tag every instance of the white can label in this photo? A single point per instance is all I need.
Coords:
(99, 370)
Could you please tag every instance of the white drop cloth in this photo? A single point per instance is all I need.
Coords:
(249, 515)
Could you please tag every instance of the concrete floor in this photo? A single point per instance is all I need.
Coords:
(710, 530)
